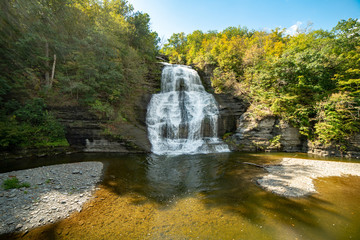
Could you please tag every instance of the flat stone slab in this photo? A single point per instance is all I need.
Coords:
(294, 177)
(55, 192)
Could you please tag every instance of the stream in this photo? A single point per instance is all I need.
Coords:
(212, 196)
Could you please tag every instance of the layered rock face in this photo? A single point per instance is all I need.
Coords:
(267, 134)
(247, 133)
(79, 124)
(85, 132)
(230, 111)
(244, 132)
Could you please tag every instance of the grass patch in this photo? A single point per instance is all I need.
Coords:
(13, 182)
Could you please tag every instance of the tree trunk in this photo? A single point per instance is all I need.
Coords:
(253, 164)
(47, 65)
(52, 73)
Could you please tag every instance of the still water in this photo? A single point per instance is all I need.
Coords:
(212, 196)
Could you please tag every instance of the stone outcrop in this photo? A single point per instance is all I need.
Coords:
(141, 108)
(85, 132)
(230, 109)
(80, 125)
(266, 134)
(351, 150)
(354, 146)
(245, 133)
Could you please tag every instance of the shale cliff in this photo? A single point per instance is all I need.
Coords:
(244, 131)
(237, 126)
(87, 132)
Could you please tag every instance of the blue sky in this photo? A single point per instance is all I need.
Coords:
(174, 16)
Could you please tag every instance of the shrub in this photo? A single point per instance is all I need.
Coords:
(13, 182)
(31, 126)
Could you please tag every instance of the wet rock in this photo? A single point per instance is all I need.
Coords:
(230, 110)
(12, 195)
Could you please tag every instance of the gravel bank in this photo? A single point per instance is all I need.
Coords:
(294, 177)
(55, 192)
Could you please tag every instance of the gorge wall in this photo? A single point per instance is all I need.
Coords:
(351, 150)
(86, 132)
(239, 128)
(271, 134)
(266, 134)
(245, 132)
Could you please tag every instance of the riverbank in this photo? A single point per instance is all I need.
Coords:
(57, 191)
(294, 177)
(54, 193)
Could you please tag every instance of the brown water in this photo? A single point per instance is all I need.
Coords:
(201, 197)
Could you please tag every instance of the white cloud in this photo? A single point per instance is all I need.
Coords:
(294, 29)
(266, 29)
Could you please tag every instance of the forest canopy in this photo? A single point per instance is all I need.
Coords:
(98, 54)
(310, 79)
(66, 52)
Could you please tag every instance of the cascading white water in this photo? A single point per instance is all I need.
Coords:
(182, 119)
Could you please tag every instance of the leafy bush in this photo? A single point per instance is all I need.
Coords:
(275, 142)
(13, 182)
(33, 112)
(337, 119)
(101, 109)
(29, 126)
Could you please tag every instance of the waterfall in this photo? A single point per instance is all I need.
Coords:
(183, 117)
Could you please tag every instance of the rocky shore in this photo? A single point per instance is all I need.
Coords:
(294, 177)
(54, 193)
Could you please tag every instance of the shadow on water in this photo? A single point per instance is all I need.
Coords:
(221, 181)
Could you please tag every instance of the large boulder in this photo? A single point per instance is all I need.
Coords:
(265, 134)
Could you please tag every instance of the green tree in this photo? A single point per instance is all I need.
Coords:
(298, 78)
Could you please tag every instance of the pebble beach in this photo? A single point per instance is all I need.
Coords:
(54, 193)
(294, 177)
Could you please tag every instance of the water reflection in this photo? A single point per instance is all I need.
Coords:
(202, 196)
(171, 176)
